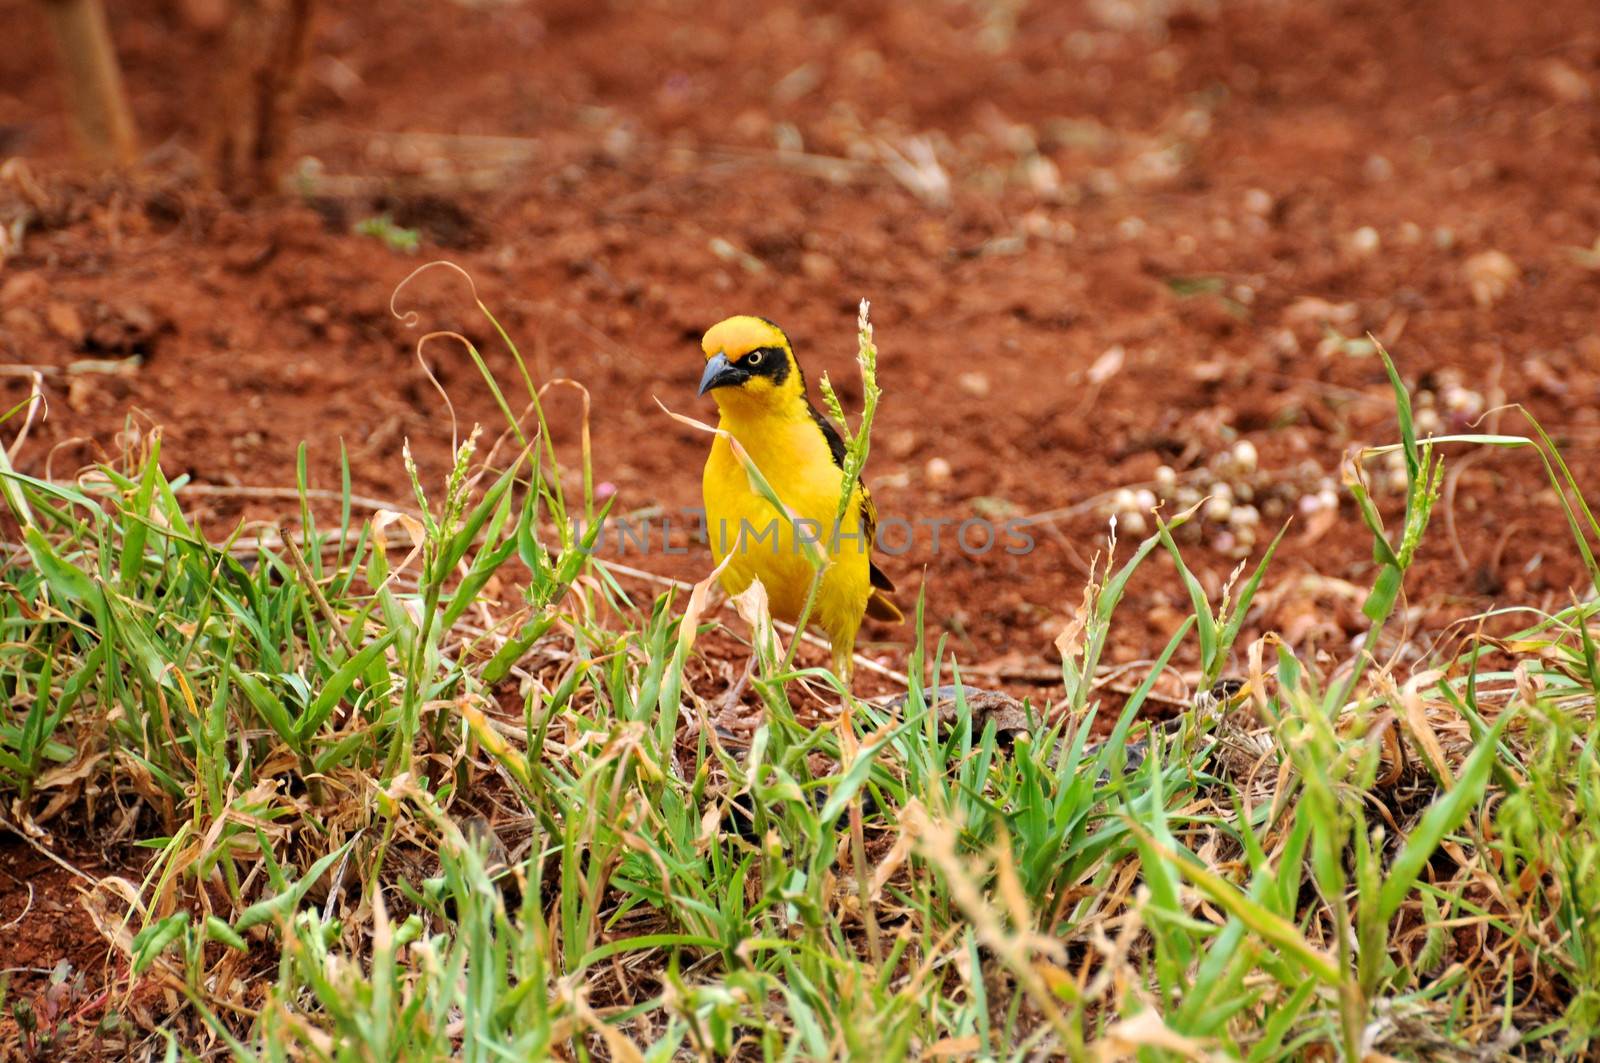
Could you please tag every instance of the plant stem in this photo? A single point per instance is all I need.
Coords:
(94, 82)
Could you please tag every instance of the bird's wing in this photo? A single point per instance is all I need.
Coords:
(879, 605)
(830, 433)
(869, 528)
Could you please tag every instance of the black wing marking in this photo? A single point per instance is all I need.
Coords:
(869, 512)
(830, 433)
(869, 515)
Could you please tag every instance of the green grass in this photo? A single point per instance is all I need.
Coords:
(309, 734)
(382, 227)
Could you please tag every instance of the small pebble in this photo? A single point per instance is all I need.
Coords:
(1244, 456)
(1258, 201)
(1489, 276)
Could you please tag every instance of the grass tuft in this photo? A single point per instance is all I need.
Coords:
(432, 785)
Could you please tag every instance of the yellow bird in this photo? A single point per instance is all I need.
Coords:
(751, 371)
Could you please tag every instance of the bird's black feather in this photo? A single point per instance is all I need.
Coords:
(830, 433)
(869, 516)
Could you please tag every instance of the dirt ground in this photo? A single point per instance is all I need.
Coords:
(1155, 228)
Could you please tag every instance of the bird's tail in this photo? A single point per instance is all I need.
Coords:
(879, 605)
(882, 607)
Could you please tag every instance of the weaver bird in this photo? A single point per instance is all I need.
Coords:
(751, 371)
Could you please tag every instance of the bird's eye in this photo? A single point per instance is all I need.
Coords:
(755, 358)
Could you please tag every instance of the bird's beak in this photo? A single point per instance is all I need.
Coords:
(719, 373)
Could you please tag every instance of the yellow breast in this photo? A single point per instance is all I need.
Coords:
(793, 457)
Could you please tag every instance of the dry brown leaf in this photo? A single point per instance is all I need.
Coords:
(953, 1047)
(891, 862)
(754, 609)
(1010, 888)
(413, 529)
(1420, 730)
(695, 608)
(1070, 642)
(1146, 1030)
(67, 774)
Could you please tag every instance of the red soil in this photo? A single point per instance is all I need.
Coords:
(1180, 180)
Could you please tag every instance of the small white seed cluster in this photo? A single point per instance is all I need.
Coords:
(1391, 475)
(1238, 499)
(1448, 406)
(1131, 506)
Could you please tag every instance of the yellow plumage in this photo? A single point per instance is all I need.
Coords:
(760, 391)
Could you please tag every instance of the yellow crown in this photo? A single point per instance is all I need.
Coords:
(737, 336)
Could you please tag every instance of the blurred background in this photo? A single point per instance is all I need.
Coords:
(1118, 252)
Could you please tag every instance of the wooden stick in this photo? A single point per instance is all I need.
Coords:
(266, 48)
(94, 83)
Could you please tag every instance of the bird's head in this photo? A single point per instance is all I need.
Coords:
(750, 365)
